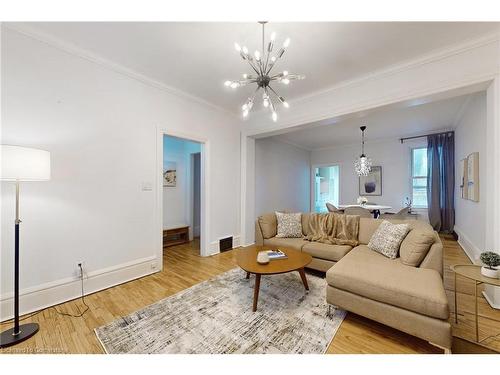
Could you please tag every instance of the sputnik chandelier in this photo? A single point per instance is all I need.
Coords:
(262, 64)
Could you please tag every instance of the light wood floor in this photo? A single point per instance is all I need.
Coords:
(183, 267)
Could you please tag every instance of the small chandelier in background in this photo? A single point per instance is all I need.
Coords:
(363, 165)
(262, 64)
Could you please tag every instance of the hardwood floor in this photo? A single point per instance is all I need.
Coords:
(183, 268)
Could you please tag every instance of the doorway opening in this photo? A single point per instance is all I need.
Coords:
(326, 186)
(182, 161)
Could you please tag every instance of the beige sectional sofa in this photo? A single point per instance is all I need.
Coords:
(409, 298)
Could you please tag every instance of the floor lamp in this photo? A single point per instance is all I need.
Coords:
(21, 164)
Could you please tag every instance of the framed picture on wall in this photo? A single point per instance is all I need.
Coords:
(371, 184)
(170, 174)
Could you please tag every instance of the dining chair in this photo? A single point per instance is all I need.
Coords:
(363, 212)
(331, 208)
(400, 215)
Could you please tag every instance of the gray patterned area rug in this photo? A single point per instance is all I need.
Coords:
(216, 317)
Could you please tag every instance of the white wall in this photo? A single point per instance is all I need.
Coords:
(394, 158)
(178, 200)
(101, 128)
(470, 136)
(282, 177)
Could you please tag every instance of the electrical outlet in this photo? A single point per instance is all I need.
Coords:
(79, 271)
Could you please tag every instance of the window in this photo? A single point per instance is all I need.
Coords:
(326, 187)
(419, 177)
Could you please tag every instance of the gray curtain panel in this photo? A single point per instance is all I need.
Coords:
(441, 181)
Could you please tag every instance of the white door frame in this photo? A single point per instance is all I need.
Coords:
(313, 193)
(204, 187)
(190, 196)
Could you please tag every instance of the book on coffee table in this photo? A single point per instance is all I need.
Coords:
(276, 254)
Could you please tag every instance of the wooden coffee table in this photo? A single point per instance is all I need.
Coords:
(296, 261)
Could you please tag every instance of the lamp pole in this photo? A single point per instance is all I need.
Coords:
(23, 332)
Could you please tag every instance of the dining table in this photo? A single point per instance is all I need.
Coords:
(373, 208)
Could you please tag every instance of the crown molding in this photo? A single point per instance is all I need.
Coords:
(433, 56)
(428, 58)
(74, 50)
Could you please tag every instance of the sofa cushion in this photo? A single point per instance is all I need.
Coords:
(292, 243)
(368, 226)
(326, 251)
(415, 247)
(268, 225)
(387, 238)
(372, 275)
(289, 225)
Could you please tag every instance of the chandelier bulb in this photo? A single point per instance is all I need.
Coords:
(237, 47)
(286, 81)
(245, 50)
(285, 73)
(273, 36)
(286, 43)
(257, 55)
(286, 105)
(227, 83)
(275, 116)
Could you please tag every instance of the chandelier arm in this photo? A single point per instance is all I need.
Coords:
(271, 67)
(254, 94)
(272, 107)
(274, 92)
(253, 67)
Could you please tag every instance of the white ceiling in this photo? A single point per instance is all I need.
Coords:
(386, 123)
(198, 57)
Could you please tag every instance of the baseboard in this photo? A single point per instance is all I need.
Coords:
(214, 246)
(63, 290)
(469, 248)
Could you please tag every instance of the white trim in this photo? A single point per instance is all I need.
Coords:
(466, 244)
(413, 148)
(63, 290)
(205, 246)
(74, 50)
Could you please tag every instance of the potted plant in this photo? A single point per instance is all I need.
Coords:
(491, 260)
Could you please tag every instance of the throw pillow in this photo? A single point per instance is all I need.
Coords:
(415, 247)
(289, 225)
(387, 238)
(268, 224)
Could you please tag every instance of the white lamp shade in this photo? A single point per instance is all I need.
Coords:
(24, 164)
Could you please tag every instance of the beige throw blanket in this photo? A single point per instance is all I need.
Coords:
(333, 228)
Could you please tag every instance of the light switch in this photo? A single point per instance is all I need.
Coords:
(147, 186)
